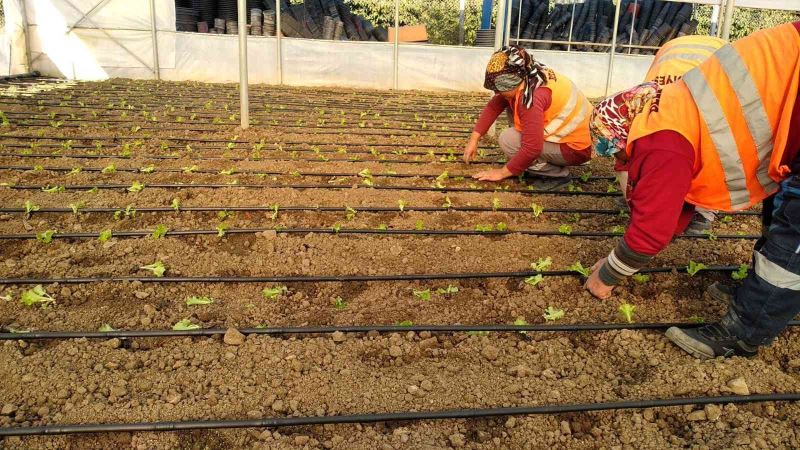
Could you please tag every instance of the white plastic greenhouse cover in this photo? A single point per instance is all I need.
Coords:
(115, 41)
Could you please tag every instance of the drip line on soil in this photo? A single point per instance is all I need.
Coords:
(366, 209)
(356, 231)
(321, 186)
(270, 173)
(471, 413)
(532, 328)
(338, 278)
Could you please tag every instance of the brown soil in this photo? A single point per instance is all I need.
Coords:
(80, 381)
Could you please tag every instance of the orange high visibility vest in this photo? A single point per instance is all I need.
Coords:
(681, 55)
(734, 109)
(566, 121)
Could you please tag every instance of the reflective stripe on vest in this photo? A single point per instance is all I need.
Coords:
(719, 130)
(559, 127)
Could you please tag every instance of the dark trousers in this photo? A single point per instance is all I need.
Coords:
(770, 295)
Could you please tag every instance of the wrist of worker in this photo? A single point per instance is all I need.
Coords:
(621, 263)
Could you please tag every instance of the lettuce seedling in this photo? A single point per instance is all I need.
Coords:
(501, 226)
(423, 295)
(230, 171)
(484, 228)
(336, 227)
(740, 273)
(190, 169)
(149, 169)
(536, 209)
(496, 203)
(383, 227)
(157, 268)
(586, 176)
(726, 219)
(37, 296)
(572, 188)
(46, 236)
(194, 300)
(449, 290)
(697, 319)
(53, 189)
(76, 207)
(618, 229)
(447, 203)
(176, 204)
(578, 267)
(275, 208)
(160, 231)
(185, 325)
(401, 204)
(711, 235)
(350, 213)
(111, 168)
(627, 310)
(104, 236)
(405, 323)
(565, 229)
(106, 328)
(420, 225)
(221, 229)
(542, 264)
(443, 176)
(534, 280)
(75, 171)
(136, 187)
(641, 278)
(225, 214)
(338, 303)
(551, 314)
(695, 267)
(274, 292)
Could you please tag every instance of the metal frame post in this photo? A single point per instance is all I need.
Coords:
(499, 24)
(519, 17)
(280, 41)
(461, 20)
(244, 91)
(571, 25)
(396, 47)
(26, 35)
(714, 27)
(507, 22)
(633, 24)
(613, 46)
(154, 34)
(728, 20)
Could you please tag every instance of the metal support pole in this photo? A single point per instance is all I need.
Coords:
(613, 46)
(154, 34)
(279, 42)
(507, 22)
(499, 24)
(571, 25)
(714, 28)
(26, 35)
(633, 23)
(728, 21)
(244, 92)
(461, 19)
(519, 18)
(396, 47)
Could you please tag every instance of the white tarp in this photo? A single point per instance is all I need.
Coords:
(12, 43)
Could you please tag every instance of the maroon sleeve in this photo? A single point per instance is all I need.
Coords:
(490, 112)
(661, 169)
(660, 172)
(532, 120)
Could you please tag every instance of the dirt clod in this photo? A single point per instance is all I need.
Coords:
(713, 412)
(696, 416)
(395, 351)
(490, 352)
(338, 337)
(233, 337)
(457, 440)
(739, 386)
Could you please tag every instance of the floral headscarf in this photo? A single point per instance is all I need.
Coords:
(612, 118)
(512, 65)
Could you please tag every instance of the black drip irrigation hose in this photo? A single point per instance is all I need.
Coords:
(356, 231)
(244, 158)
(367, 209)
(474, 413)
(320, 186)
(383, 329)
(274, 173)
(336, 278)
(188, 139)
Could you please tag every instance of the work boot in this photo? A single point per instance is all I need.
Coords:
(721, 292)
(699, 224)
(710, 341)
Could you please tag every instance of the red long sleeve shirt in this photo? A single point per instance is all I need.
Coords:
(532, 121)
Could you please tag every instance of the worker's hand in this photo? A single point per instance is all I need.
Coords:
(470, 150)
(493, 175)
(595, 285)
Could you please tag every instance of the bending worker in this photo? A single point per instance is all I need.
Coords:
(725, 137)
(674, 59)
(551, 118)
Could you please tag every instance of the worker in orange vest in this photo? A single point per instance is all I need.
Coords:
(674, 59)
(726, 137)
(550, 119)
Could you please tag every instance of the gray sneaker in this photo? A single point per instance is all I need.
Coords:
(710, 341)
(722, 293)
(698, 225)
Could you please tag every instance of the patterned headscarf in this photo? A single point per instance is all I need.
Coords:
(612, 118)
(512, 65)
